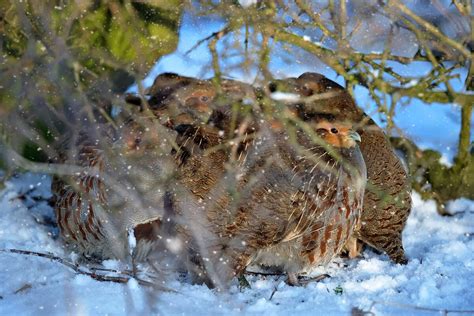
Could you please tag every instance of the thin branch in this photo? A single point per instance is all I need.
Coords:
(463, 156)
(218, 35)
(326, 55)
(463, 8)
(315, 17)
(429, 27)
(265, 58)
(78, 270)
(49, 168)
(215, 63)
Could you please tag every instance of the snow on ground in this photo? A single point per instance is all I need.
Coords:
(439, 274)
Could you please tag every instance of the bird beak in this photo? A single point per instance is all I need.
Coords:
(354, 136)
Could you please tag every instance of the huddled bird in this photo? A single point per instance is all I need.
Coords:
(387, 200)
(234, 178)
(118, 189)
(268, 201)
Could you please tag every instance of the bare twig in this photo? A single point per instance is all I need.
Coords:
(218, 35)
(463, 8)
(275, 289)
(429, 27)
(314, 16)
(79, 270)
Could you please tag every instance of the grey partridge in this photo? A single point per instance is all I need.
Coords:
(120, 191)
(387, 201)
(176, 99)
(257, 199)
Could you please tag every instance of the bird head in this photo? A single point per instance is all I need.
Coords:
(199, 99)
(337, 134)
(328, 96)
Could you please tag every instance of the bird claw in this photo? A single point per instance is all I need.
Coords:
(353, 248)
(295, 280)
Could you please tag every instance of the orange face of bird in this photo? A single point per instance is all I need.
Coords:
(339, 135)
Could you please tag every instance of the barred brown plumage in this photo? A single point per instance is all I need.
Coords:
(96, 209)
(387, 201)
(264, 200)
(295, 210)
(281, 188)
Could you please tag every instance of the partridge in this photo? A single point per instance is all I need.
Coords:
(120, 192)
(176, 99)
(254, 198)
(387, 201)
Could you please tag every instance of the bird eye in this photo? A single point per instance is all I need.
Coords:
(334, 130)
(204, 98)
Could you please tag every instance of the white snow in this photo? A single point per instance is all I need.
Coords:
(439, 274)
(285, 96)
(247, 3)
(446, 161)
(411, 83)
